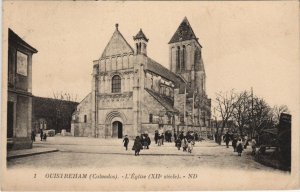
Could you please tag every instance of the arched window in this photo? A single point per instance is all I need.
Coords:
(116, 84)
(178, 58)
(183, 58)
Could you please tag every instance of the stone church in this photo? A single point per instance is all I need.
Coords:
(133, 94)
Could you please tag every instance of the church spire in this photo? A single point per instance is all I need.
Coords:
(184, 32)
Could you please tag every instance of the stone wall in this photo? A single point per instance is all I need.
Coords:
(81, 129)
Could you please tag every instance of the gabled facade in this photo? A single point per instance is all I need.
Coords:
(133, 94)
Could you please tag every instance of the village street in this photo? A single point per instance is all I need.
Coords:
(99, 161)
(76, 152)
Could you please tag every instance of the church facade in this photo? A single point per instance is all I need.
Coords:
(133, 94)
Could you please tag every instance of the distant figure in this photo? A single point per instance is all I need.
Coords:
(184, 144)
(148, 141)
(178, 143)
(181, 135)
(41, 134)
(156, 136)
(33, 136)
(162, 138)
(137, 146)
(240, 147)
(226, 138)
(234, 142)
(45, 136)
(126, 141)
(159, 140)
(190, 146)
(253, 145)
(145, 142)
(175, 136)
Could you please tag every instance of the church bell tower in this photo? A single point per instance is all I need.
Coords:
(140, 43)
(185, 57)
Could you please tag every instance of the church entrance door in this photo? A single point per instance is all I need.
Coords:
(117, 129)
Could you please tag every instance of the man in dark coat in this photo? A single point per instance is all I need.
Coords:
(227, 138)
(156, 136)
(41, 134)
(162, 138)
(175, 136)
(148, 141)
(137, 146)
(126, 141)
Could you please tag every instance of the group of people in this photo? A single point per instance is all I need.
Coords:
(239, 143)
(159, 138)
(186, 141)
(43, 135)
(140, 142)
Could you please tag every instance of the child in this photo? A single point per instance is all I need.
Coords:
(126, 141)
(190, 146)
(239, 147)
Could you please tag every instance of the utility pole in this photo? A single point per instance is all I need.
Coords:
(252, 126)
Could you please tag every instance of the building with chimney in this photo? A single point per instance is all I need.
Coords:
(133, 94)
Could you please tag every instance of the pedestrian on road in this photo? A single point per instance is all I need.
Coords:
(126, 141)
(137, 146)
(156, 136)
(145, 142)
(178, 143)
(41, 134)
(190, 146)
(148, 141)
(226, 138)
(234, 142)
(162, 138)
(184, 144)
(181, 135)
(175, 136)
(33, 136)
(159, 140)
(240, 147)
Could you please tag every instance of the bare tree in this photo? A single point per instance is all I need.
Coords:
(241, 111)
(225, 106)
(261, 115)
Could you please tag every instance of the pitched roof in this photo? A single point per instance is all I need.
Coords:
(140, 35)
(117, 45)
(166, 103)
(184, 32)
(12, 36)
(160, 70)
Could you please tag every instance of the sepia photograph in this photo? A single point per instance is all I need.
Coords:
(150, 95)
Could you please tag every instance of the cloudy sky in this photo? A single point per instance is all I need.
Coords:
(245, 44)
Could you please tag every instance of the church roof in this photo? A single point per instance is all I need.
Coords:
(117, 45)
(166, 103)
(160, 70)
(184, 32)
(140, 35)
